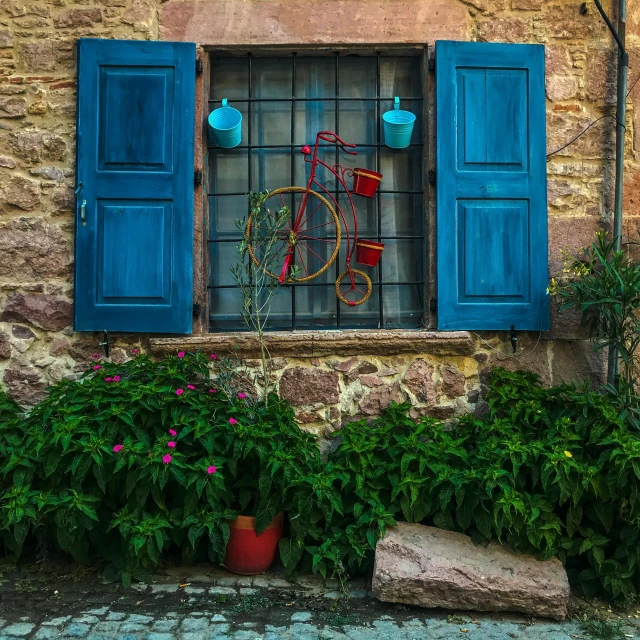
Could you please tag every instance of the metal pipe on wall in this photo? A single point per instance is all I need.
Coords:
(613, 366)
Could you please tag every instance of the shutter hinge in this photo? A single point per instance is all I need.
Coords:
(197, 178)
(432, 177)
(432, 64)
(196, 310)
(199, 66)
(433, 304)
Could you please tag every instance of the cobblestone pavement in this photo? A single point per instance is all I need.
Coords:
(216, 605)
(105, 623)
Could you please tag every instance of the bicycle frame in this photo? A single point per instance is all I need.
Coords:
(339, 172)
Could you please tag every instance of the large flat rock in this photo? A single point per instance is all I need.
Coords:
(430, 567)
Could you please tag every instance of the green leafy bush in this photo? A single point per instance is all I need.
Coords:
(152, 451)
(554, 472)
(91, 471)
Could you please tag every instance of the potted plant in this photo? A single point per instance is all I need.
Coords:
(262, 483)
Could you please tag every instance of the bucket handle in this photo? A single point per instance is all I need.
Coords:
(225, 102)
(396, 103)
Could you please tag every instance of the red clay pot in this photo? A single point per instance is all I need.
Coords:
(249, 553)
(365, 182)
(368, 252)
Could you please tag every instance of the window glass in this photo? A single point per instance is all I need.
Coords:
(285, 101)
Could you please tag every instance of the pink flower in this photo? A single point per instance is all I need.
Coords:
(173, 432)
(95, 356)
(179, 392)
(107, 379)
(167, 459)
(214, 356)
(116, 378)
(233, 421)
(213, 391)
(96, 367)
(190, 386)
(242, 396)
(135, 352)
(180, 354)
(117, 448)
(211, 469)
(171, 444)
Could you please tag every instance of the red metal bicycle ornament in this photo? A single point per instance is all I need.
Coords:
(311, 239)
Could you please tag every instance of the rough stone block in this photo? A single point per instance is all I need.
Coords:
(432, 568)
(42, 310)
(305, 386)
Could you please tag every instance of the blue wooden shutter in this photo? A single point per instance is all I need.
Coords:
(135, 129)
(491, 186)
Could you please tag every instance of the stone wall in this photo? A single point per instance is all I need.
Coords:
(37, 149)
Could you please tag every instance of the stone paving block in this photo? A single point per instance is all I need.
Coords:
(302, 631)
(357, 594)
(139, 618)
(56, 622)
(334, 595)
(106, 627)
(220, 629)
(153, 635)
(98, 636)
(223, 591)
(190, 625)
(76, 630)
(164, 626)
(116, 616)
(87, 619)
(194, 635)
(164, 588)
(131, 627)
(301, 616)
(244, 635)
(18, 629)
(194, 591)
(218, 618)
(99, 611)
(247, 591)
(46, 633)
(227, 581)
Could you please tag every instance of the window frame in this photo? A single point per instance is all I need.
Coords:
(422, 51)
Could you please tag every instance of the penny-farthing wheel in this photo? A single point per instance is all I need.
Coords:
(353, 287)
(311, 239)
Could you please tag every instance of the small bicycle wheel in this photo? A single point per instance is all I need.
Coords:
(356, 289)
(314, 243)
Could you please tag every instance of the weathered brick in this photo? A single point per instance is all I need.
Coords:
(304, 386)
(20, 192)
(507, 29)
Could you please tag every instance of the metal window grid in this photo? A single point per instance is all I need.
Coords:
(295, 148)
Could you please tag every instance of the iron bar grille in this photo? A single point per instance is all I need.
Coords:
(284, 100)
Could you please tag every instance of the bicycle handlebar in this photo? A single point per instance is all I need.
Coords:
(335, 139)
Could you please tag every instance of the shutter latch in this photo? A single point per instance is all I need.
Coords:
(105, 343)
(197, 178)
(196, 310)
(199, 67)
(432, 64)
(514, 338)
(432, 177)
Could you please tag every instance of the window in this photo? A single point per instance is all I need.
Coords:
(285, 101)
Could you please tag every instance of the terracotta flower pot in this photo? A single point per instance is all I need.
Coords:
(249, 553)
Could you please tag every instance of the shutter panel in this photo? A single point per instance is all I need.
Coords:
(491, 186)
(135, 134)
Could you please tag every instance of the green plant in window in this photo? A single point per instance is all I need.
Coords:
(253, 274)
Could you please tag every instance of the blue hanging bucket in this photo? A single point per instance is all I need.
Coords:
(226, 123)
(398, 126)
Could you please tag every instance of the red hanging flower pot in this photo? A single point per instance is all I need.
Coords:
(368, 252)
(365, 182)
(249, 553)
